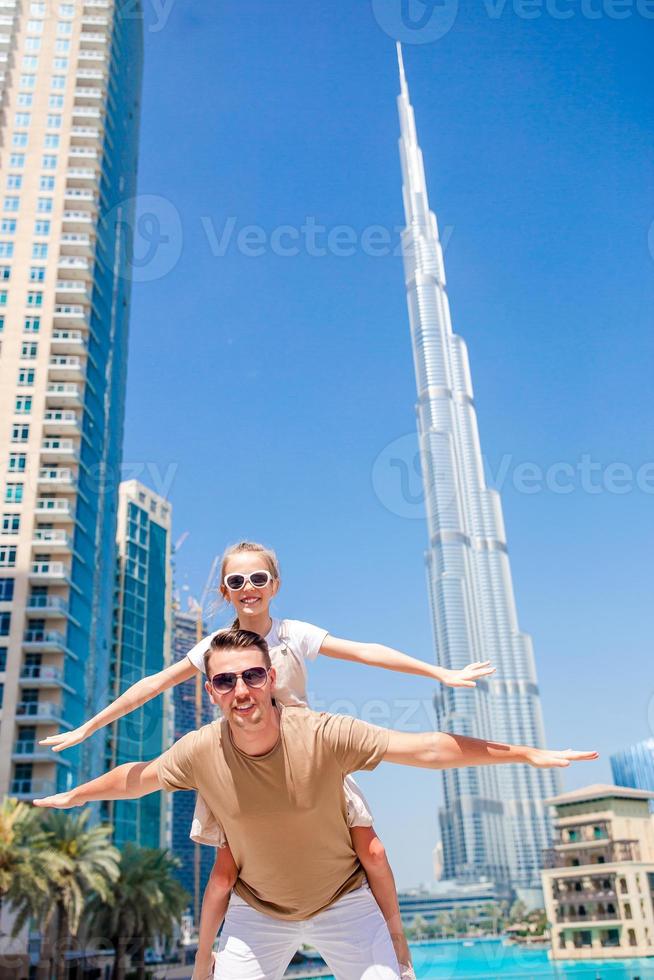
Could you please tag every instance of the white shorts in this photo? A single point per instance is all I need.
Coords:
(350, 935)
(205, 829)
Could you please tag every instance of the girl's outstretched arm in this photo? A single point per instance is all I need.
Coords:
(377, 655)
(136, 695)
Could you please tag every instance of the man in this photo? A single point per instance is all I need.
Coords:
(273, 776)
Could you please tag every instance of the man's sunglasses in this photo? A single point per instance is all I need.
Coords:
(235, 581)
(253, 677)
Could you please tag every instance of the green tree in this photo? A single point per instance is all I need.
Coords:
(144, 901)
(419, 926)
(444, 924)
(461, 921)
(89, 864)
(518, 912)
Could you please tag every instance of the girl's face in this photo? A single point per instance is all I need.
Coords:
(249, 601)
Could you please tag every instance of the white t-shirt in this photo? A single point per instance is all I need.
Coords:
(289, 651)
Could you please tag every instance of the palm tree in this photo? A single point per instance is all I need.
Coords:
(27, 866)
(89, 864)
(143, 902)
(444, 923)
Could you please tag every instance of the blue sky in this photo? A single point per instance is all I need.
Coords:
(263, 387)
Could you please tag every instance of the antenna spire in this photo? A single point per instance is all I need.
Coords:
(400, 61)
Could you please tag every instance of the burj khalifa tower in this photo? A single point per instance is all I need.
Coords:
(493, 820)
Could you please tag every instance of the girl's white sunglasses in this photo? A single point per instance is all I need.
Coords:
(235, 580)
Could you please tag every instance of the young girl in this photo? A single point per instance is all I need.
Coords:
(249, 581)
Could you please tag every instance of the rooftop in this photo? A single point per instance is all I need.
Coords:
(599, 791)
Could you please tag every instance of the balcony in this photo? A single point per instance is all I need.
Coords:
(80, 197)
(70, 315)
(75, 245)
(594, 918)
(73, 265)
(49, 571)
(29, 712)
(55, 509)
(44, 641)
(63, 367)
(87, 96)
(61, 421)
(54, 539)
(77, 219)
(31, 789)
(82, 177)
(68, 341)
(59, 450)
(63, 393)
(583, 833)
(48, 605)
(58, 478)
(611, 852)
(30, 751)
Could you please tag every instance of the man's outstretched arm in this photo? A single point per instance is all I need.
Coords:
(127, 782)
(440, 750)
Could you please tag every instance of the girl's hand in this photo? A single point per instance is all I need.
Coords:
(467, 677)
(60, 801)
(551, 759)
(66, 740)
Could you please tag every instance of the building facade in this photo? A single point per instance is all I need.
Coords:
(493, 821)
(69, 117)
(635, 767)
(142, 646)
(192, 708)
(599, 874)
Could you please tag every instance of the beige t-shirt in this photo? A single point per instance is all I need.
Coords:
(283, 813)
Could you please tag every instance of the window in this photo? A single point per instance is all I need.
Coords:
(3, 297)
(51, 141)
(62, 47)
(53, 120)
(22, 120)
(49, 162)
(46, 183)
(14, 182)
(35, 26)
(44, 205)
(3, 659)
(37, 10)
(14, 493)
(28, 81)
(6, 250)
(17, 160)
(6, 589)
(2, 323)
(37, 273)
(29, 61)
(64, 28)
(23, 404)
(7, 555)
(25, 100)
(56, 102)
(26, 376)
(5, 273)
(60, 64)
(12, 203)
(66, 9)
(29, 350)
(10, 523)
(35, 299)
(21, 433)
(40, 251)
(17, 462)
(5, 623)
(32, 324)
(19, 140)
(41, 227)
(8, 226)
(58, 82)
(32, 43)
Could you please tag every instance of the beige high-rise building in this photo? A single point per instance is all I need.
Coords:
(70, 79)
(599, 875)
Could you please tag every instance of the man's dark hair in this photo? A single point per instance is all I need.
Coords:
(235, 639)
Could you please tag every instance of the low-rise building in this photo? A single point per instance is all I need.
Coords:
(598, 878)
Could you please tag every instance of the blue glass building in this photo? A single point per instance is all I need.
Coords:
(634, 767)
(197, 859)
(142, 633)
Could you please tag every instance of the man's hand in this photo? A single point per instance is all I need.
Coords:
(551, 759)
(467, 677)
(204, 970)
(60, 801)
(66, 740)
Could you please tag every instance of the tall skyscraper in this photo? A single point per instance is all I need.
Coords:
(493, 821)
(192, 709)
(634, 767)
(70, 89)
(142, 646)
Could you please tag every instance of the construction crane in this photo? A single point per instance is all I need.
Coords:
(202, 614)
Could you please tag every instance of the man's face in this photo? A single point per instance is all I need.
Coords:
(246, 708)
